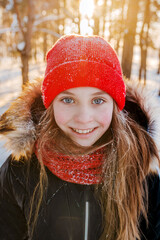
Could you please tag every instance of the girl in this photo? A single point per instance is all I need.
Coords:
(84, 162)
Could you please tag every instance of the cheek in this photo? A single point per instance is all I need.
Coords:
(60, 116)
(105, 119)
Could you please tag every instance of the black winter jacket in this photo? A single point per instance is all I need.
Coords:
(63, 212)
(69, 211)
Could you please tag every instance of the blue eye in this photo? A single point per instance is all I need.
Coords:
(98, 101)
(67, 100)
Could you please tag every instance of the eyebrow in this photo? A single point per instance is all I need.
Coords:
(99, 93)
(93, 94)
(66, 92)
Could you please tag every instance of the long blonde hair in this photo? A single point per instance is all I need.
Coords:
(123, 193)
(124, 190)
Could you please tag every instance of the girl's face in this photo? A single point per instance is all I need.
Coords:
(83, 113)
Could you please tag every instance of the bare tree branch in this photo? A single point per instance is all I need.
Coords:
(45, 30)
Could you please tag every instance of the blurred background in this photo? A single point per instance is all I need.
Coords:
(29, 28)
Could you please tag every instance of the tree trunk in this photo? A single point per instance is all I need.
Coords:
(44, 46)
(158, 71)
(96, 26)
(96, 21)
(143, 64)
(121, 26)
(25, 67)
(110, 21)
(104, 16)
(35, 49)
(129, 37)
(144, 41)
(64, 5)
(58, 21)
(27, 35)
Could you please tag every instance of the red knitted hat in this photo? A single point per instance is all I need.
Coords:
(80, 61)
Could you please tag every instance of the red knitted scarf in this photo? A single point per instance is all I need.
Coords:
(84, 169)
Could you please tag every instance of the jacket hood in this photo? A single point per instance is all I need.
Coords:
(18, 124)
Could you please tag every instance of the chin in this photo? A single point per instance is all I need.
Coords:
(85, 144)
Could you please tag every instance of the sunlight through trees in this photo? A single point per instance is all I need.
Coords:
(28, 28)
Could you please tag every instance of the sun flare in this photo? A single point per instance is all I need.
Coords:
(86, 8)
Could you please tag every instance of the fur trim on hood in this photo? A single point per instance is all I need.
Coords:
(18, 123)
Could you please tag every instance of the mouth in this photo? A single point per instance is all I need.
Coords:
(83, 131)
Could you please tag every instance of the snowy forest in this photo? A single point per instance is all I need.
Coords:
(28, 28)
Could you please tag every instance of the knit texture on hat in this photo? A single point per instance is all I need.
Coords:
(79, 61)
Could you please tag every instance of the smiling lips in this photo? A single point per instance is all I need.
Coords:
(84, 131)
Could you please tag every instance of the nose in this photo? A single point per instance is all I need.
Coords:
(84, 114)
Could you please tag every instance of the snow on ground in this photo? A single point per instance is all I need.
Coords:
(10, 82)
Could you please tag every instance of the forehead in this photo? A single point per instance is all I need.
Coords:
(84, 90)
